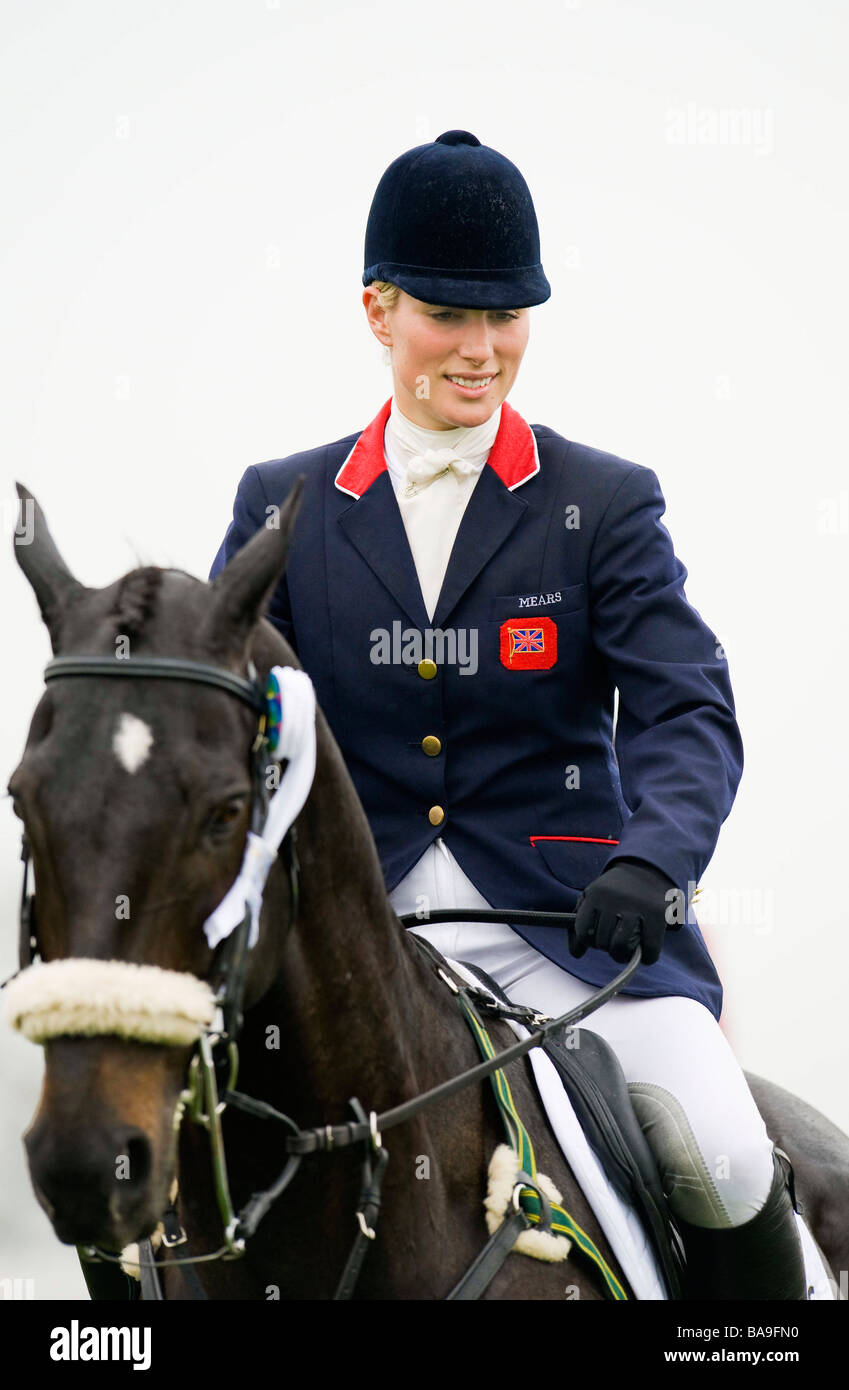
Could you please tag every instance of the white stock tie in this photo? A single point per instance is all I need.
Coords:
(425, 467)
(417, 457)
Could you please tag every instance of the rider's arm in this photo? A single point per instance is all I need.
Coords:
(251, 510)
(677, 743)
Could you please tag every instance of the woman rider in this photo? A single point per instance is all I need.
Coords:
(482, 747)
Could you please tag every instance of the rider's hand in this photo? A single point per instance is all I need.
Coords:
(631, 903)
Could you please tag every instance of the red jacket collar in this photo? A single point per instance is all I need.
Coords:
(513, 455)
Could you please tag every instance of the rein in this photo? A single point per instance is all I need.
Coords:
(216, 1054)
(203, 1105)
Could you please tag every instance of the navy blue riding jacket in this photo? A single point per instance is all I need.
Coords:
(492, 724)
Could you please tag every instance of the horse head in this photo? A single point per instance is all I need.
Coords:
(136, 798)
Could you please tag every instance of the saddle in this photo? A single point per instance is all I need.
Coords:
(595, 1084)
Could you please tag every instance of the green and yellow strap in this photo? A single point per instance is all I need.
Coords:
(561, 1222)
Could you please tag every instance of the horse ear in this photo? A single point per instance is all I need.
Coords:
(243, 589)
(37, 554)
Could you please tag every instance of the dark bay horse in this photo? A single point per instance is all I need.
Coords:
(339, 1002)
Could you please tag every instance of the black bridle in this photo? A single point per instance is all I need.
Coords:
(216, 1054)
(228, 979)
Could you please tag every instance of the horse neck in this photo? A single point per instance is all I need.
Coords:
(351, 995)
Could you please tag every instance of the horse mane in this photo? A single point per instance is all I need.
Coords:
(136, 599)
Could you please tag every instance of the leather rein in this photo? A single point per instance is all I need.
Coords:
(213, 1068)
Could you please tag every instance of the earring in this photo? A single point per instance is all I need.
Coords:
(387, 357)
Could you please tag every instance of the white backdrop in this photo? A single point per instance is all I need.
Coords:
(185, 194)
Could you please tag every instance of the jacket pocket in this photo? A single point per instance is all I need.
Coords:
(575, 860)
(553, 603)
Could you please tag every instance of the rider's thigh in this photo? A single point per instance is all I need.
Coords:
(686, 1085)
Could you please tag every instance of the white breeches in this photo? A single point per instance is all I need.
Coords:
(686, 1086)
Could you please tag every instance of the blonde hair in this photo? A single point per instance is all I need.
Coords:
(387, 293)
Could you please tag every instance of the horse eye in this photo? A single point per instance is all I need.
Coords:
(226, 814)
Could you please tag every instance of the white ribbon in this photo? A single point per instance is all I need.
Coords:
(297, 745)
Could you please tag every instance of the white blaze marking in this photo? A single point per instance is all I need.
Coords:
(132, 742)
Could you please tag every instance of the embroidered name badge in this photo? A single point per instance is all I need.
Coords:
(528, 644)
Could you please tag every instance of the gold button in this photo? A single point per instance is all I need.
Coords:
(436, 815)
(427, 669)
(431, 745)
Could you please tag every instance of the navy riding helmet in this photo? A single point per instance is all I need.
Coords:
(452, 222)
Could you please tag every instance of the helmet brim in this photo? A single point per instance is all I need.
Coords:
(517, 288)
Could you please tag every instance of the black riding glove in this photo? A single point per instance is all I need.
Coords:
(630, 904)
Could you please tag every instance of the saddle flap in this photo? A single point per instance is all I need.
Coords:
(595, 1083)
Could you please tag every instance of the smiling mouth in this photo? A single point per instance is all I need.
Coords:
(472, 385)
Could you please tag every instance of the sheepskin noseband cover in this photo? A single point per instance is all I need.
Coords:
(94, 997)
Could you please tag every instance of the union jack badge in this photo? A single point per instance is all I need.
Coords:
(528, 645)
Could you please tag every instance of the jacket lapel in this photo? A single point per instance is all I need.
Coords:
(373, 524)
(491, 513)
(493, 510)
(373, 521)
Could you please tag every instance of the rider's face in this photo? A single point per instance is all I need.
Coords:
(431, 343)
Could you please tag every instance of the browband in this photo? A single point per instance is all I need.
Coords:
(163, 666)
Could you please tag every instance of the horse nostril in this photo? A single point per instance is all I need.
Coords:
(137, 1151)
(96, 1186)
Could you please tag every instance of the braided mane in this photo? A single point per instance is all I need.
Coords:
(135, 601)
